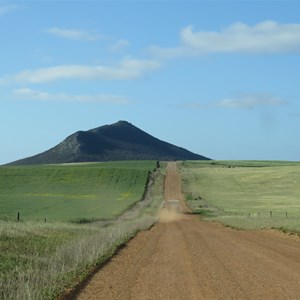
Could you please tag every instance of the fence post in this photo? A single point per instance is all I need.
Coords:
(270, 213)
(18, 216)
(157, 164)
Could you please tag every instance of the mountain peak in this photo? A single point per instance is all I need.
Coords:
(121, 123)
(118, 141)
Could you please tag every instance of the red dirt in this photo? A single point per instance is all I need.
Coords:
(186, 258)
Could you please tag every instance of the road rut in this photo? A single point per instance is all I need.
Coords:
(186, 258)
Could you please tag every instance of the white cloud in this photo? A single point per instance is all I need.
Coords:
(74, 34)
(264, 37)
(127, 69)
(244, 101)
(29, 94)
(6, 8)
(250, 101)
(119, 45)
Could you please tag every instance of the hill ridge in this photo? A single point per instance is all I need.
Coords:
(118, 141)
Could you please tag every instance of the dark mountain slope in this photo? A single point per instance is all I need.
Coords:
(119, 141)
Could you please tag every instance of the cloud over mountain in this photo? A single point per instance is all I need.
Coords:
(30, 94)
(74, 34)
(250, 101)
(127, 69)
(265, 37)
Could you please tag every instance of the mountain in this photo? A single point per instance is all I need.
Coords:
(118, 141)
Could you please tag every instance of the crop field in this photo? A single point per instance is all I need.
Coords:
(75, 192)
(245, 194)
(42, 260)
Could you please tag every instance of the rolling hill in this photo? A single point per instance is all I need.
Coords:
(118, 141)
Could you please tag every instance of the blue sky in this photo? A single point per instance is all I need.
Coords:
(220, 78)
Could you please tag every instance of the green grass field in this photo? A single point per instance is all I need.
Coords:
(71, 192)
(41, 260)
(242, 193)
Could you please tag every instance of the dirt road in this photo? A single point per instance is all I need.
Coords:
(190, 259)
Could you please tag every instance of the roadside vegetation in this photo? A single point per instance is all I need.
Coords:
(41, 260)
(245, 194)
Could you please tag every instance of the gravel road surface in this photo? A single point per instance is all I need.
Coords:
(183, 257)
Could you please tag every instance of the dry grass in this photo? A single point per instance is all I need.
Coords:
(47, 275)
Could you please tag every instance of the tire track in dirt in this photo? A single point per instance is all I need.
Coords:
(186, 258)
